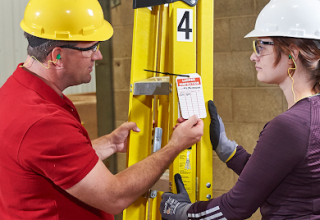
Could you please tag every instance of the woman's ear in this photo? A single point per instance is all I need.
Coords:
(294, 52)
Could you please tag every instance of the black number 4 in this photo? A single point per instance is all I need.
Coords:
(187, 30)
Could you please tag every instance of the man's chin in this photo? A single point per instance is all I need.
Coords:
(88, 78)
(87, 81)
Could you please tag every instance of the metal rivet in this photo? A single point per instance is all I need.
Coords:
(153, 194)
(208, 185)
(208, 196)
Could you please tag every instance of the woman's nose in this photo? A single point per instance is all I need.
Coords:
(254, 57)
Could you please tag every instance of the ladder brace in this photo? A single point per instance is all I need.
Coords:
(148, 3)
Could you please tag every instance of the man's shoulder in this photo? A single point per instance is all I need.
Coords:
(18, 116)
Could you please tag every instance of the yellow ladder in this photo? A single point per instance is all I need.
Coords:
(173, 38)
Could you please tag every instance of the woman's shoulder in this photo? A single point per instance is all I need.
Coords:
(297, 115)
(296, 121)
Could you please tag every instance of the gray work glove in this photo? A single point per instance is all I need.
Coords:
(224, 148)
(175, 206)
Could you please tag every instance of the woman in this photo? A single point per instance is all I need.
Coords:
(282, 176)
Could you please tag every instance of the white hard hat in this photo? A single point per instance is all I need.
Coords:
(289, 18)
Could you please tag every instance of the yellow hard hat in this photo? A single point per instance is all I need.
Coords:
(66, 20)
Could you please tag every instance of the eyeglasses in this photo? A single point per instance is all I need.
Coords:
(86, 52)
(259, 47)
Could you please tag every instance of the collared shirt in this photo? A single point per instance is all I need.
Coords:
(44, 150)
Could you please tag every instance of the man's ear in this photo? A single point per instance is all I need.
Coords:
(55, 57)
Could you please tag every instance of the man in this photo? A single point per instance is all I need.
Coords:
(49, 168)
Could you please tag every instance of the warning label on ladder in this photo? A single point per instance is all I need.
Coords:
(185, 169)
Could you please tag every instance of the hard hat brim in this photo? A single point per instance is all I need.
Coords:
(256, 33)
(104, 33)
(259, 33)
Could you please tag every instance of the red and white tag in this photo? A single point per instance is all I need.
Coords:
(190, 93)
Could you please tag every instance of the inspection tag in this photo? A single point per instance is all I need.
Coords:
(190, 93)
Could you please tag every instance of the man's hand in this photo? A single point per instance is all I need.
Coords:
(114, 142)
(119, 137)
(187, 133)
(180, 120)
(175, 206)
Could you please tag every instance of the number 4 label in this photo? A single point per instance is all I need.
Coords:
(185, 25)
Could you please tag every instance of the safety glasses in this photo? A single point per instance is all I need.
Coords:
(86, 52)
(260, 49)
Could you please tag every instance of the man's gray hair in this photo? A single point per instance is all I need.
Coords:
(40, 48)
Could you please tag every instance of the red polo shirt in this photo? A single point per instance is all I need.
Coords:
(44, 150)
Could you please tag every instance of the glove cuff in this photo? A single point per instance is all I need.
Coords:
(182, 212)
(226, 150)
(234, 152)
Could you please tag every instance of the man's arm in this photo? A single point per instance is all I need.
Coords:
(113, 193)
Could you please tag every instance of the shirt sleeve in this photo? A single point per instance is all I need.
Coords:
(57, 148)
(281, 146)
(239, 160)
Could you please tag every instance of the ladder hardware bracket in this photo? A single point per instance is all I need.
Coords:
(152, 86)
(148, 3)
